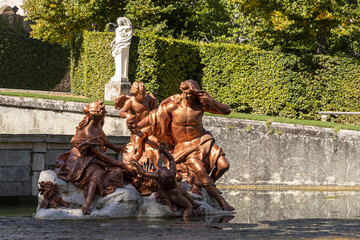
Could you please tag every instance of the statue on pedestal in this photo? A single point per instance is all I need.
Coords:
(168, 144)
(120, 46)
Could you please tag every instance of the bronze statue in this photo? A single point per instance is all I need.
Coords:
(178, 122)
(86, 165)
(49, 191)
(166, 180)
(140, 104)
(141, 147)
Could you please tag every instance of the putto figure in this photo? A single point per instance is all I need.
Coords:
(140, 104)
(178, 122)
(166, 180)
(86, 165)
(136, 108)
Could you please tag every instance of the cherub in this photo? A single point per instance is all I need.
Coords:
(140, 104)
(49, 191)
(140, 147)
(166, 180)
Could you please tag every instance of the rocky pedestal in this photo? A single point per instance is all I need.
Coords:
(124, 202)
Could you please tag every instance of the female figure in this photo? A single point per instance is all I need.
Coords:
(120, 48)
(86, 165)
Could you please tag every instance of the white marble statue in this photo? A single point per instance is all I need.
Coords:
(120, 49)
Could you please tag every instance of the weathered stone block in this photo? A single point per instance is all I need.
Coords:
(9, 189)
(14, 101)
(50, 104)
(15, 174)
(20, 146)
(28, 102)
(34, 183)
(39, 147)
(58, 146)
(52, 154)
(4, 100)
(38, 162)
(74, 106)
(15, 158)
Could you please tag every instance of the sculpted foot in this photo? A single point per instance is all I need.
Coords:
(225, 206)
(86, 209)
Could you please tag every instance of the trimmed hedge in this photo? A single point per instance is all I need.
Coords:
(273, 83)
(246, 78)
(29, 63)
(164, 63)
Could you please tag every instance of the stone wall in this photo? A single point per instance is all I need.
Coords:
(286, 154)
(22, 115)
(23, 157)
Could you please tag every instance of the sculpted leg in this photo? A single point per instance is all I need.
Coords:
(182, 202)
(221, 167)
(91, 190)
(212, 190)
(199, 170)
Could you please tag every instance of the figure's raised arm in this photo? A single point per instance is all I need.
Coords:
(124, 103)
(169, 157)
(211, 105)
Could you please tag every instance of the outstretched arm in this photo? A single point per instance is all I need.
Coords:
(97, 151)
(169, 157)
(142, 172)
(116, 148)
(213, 106)
(125, 111)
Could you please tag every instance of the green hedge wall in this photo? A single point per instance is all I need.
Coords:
(164, 63)
(29, 63)
(273, 83)
(246, 78)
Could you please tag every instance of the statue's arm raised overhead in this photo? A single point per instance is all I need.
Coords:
(211, 105)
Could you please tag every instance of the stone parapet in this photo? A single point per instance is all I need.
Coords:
(23, 115)
(23, 157)
(265, 153)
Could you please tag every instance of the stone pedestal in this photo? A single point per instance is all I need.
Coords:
(124, 202)
(114, 89)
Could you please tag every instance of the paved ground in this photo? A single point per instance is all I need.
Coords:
(28, 228)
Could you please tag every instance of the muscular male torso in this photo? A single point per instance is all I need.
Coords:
(186, 121)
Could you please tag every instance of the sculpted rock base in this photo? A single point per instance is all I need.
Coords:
(124, 202)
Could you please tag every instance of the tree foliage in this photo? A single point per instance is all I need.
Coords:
(314, 25)
(61, 20)
(302, 25)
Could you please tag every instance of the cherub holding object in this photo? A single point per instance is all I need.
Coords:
(166, 180)
(140, 147)
(140, 104)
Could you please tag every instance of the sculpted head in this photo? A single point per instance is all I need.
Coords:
(131, 123)
(122, 21)
(95, 110)
(189, 89)
(138, 90)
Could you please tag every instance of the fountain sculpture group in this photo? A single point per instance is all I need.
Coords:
(169, 154)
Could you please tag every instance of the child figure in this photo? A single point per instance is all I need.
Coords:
(166, 180)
